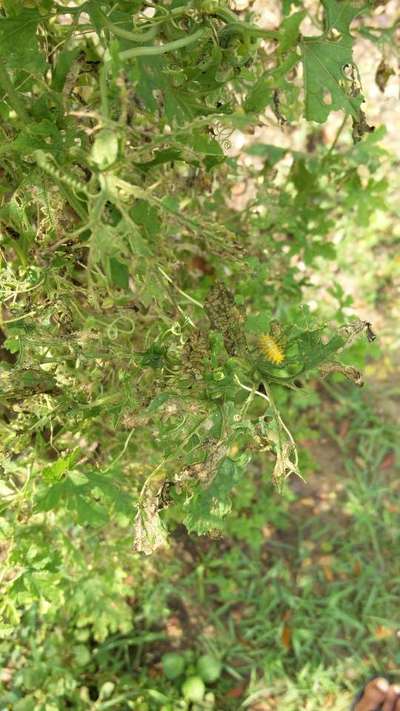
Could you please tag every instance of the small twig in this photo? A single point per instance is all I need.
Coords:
(183, 293)
(338, 134)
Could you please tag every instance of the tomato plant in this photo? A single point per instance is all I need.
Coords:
(148, 321)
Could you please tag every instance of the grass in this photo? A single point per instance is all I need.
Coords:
(299, 598)
(302, 616)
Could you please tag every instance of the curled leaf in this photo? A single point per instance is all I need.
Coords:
(347, 370)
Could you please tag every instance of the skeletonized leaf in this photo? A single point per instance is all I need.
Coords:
(149, 532)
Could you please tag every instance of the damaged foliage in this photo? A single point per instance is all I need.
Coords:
(143, 261)
(224, 317)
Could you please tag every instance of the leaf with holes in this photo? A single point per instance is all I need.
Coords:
(325, 84)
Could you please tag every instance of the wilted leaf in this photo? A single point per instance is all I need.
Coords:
(236, 691)
(388, 461)
(347, 370)
(383, 74)
(361, 127)
(382, 632)
(284, 465)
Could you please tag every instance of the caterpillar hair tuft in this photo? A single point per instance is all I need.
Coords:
(271, 349)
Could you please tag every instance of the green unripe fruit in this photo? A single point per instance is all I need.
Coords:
(209, 668)
(173, 665)
(194, 689)
(105, 149)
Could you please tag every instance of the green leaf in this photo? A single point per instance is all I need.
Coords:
(258, 323)
(55, 471)
(289, 31)
(12, 344)
(154, 82)
(82, 655)
(158, 401)
(167, 155)
(89, 512)
(63, 66)
(105, 242)
(261, 94)
(78, 478)
(207, 508)
(209, 147)
(146, 216)
(73, 495)
(18, 41)
(43, 135)
(339, 14)
(52, 497)
(111, 490)
(325, 84)
(119, 273)
(271, 154)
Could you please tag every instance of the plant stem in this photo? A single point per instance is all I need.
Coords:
(183, 293)
(163, 48)
(125, 34)
(338, 134)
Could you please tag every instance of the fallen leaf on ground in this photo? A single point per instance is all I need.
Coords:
(236, 692)
(382, 632)
(388, 461)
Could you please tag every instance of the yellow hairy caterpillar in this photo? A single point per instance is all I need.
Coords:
(271, 349)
